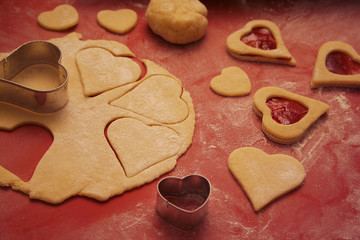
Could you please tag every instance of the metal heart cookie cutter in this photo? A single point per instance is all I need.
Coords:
(29, 54)
(183, 202)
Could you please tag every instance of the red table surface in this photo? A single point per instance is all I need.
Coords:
(325, 207)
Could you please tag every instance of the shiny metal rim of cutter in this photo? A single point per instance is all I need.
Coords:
(31, 53)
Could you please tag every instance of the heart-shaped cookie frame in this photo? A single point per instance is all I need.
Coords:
(322, 77)
(173, 186)
(280, 133)
(265, 177)
(242, 51)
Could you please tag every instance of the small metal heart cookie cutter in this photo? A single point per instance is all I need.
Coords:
(183, 202)
(28, 54)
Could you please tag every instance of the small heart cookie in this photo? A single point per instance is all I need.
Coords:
(259, 40)
(60, 18)
(292, 131)
(232, 82)
(264, 177)
(337, 64)
(120, 21)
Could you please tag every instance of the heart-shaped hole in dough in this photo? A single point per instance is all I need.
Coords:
(341, 63)
(19, 153)
(286, 111)
(261, 38)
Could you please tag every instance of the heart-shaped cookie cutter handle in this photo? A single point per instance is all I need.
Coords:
(31, 53)
(177, 216)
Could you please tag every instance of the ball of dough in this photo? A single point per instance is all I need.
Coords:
(177, 21)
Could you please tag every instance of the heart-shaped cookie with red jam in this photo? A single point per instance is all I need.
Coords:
(260, 41)
(265, 177)
(337, 64)
(285, 115)
(60, 18)
(233, 81)
(183, 201)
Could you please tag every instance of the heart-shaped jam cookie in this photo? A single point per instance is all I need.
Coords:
(183, 202)
(60, 18)
(259, 40)
(120, 21)
(265, 177)
(285, 115)
(337, 64)
(232, 82)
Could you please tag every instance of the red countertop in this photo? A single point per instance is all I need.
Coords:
(325, 207)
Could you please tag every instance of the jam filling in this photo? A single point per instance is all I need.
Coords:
(286, 111)
(341, 63)
(260, 38)
(188, 202)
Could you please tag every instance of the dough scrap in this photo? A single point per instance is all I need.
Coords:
(233, 81)
(82, 160)
(264, 177)
(322, 77)
(242, 51)
(177, 21)
(121, 21)
(60, 18)
(280, 133)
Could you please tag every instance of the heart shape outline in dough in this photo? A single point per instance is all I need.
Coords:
(163, 104)
(280, 133)
(101, 71)
(265, 177)
(322, 77)
(242, 51)
(232, 81)
(119, 21)
(174, 186)
(60, 18)
(139, 146)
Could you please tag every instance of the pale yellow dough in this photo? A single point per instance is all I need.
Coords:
(139, 147)
(121, 21)
(233, 81)
(242, 51)
(265, 177)
(60, 18)
(177, 21)
(322, 77)
(280, 133)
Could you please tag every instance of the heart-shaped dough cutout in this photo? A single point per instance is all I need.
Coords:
(158, 98)
(241, 50)
(233, 81)
(60, 18)
(286, 134)
(323, 77)
(101, 71)
(264, 177)
(139, 146)
(120, 21)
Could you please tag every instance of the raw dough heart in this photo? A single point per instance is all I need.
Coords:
(81, 161)
(322, 77)
(139, 146)
(101, 71)
(60, 18)
(232, 82)
(120, 21)
(239, 49)
(286, 134)
(158, 98)
(264, 177)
